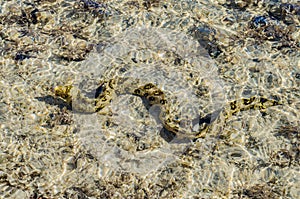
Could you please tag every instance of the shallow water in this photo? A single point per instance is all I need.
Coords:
(202, 54)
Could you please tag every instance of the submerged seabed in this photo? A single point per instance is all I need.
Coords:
(255, 47)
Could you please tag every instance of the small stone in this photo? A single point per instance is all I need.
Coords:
(33, 117)
(258, 22)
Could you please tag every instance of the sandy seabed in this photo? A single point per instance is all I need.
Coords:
(246, 48)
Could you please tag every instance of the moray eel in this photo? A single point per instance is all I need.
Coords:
(154, 99)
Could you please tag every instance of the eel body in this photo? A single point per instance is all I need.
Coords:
(154, 98)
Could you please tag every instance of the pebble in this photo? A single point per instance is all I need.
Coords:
(259, 21)
(33, 118)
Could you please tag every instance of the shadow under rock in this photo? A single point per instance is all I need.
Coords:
(54, 102)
